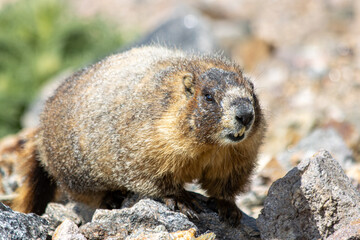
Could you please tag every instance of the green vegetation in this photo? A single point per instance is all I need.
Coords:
(39, 39)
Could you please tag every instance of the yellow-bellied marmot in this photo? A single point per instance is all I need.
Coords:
(147, 121)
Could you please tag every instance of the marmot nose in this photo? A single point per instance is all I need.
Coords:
(244, 115)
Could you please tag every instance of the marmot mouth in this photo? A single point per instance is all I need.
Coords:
(235, 138)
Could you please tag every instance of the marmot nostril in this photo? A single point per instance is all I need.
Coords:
(244, 116)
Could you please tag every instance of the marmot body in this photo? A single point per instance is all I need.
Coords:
(148, 121)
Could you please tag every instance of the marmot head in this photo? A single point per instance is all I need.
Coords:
(224, 107)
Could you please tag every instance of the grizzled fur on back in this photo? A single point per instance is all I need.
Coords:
(149, 120)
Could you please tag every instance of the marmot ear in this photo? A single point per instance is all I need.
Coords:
(188, 81)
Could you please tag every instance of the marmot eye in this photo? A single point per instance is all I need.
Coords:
(209, 97)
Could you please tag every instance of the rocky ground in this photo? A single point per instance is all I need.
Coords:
(304, 57)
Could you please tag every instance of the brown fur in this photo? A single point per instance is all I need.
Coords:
(38, 188)
(139, 121)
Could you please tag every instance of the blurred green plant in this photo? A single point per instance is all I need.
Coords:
(39, 39)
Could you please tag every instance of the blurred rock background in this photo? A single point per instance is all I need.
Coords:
(304, 57)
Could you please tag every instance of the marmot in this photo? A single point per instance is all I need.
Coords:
(147, 121)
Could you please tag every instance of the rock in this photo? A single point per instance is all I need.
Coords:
(188, 234)
(104, 230)
(206, 236)
(349, 232)
(158, 233)
(153, 220)
(56, 213)
(147, 218)
(189, 32)
(354, 175)
(252, 201)
(147, 213)
(209, 221)
(319, 139)
(16, 225)
(68, 230)
(161, 233)
(314, 200)
(84, 212)
(349, 134)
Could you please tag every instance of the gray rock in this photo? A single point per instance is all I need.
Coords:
(209, 221)
(84, 212)
(159, 232)
(151, 218)
(142, 219)
(104, 230)
(312, 201)
(68, 230)
(349, 232)
(15, 225)
(147, 213)
(56, 213)
(319, 139)
(188, 32)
